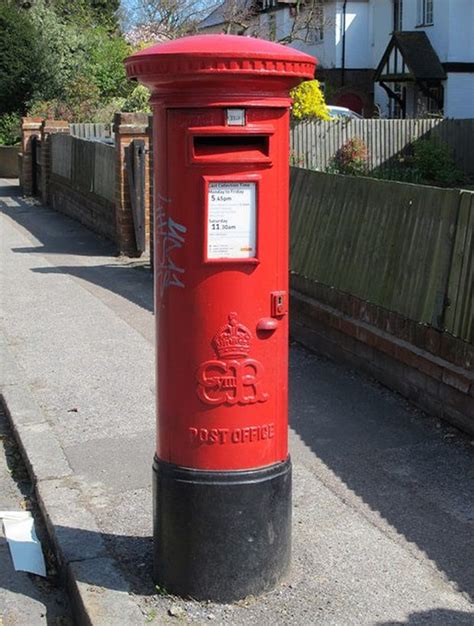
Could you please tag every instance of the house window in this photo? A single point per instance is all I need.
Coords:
(397, 15)
(425, 12)
(395, 108)
(268, 4)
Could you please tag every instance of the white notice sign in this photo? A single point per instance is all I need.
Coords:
(231, 220)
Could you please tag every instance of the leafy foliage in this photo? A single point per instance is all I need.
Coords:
(434, 161)
(308, 102)
(86, 13)
(104, 63)
(10, 133)
(138, 100)
(20, 60)
(81, 74)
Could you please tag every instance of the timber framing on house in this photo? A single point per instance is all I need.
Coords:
(410, 58)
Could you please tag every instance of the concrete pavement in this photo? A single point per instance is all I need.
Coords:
(24, 598)
(383, 495)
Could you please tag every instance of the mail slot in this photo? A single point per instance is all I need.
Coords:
(222, 474)
(231, 147)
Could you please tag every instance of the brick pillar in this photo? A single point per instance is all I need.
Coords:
(30, 127)
(48, 128)
(127, 127)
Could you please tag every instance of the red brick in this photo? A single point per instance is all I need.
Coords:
(458, 380)
(432, 340)
(348, 327)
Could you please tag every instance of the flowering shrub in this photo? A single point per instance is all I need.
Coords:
(308, 102)
(145, 35)
(350, 159)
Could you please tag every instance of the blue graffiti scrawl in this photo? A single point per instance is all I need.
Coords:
(170, 238)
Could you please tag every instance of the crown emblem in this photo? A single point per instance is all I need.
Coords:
(233, 339)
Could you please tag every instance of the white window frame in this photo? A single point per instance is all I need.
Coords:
(425, 13)
(268, 4)
(395, 108)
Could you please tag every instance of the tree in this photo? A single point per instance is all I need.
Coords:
(20, 60)
(307, 21)
(173, 18)
(87, 12)
(104, 63)
(92, 12)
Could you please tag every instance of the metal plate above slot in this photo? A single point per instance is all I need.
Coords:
(235, 117)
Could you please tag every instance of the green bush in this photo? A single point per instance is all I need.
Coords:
(138, 100)
(104, 63)
(402, 174)
(10, 131)
(434, 161)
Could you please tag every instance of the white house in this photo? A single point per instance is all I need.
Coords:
(403, 58)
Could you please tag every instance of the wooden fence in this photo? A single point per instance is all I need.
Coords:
(98, 132)
(89, 165)
(314, 144)
(403, 247)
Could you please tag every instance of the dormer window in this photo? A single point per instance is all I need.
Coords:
(425, 12)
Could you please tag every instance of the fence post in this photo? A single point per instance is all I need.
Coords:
(127, 127)
(48, 128)
(30, 127)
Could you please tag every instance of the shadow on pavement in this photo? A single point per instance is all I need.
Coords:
(135, 284)
(135, 555)
(57, 233)
(61, 235)
(416, 472)
(436, 617)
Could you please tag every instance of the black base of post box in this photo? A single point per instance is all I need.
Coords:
(221, 535)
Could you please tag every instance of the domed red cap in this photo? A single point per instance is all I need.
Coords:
(216, 58)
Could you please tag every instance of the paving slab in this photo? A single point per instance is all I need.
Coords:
(383, 494)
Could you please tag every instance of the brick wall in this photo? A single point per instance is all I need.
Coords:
(432, 369)
(127, 127)
(48, 128)
(381, 278)
(30, 128)
(91, 210)
(113, 219)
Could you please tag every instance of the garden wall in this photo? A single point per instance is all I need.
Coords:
(86, 177)
(381, 277)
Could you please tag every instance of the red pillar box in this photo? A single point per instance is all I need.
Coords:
(222, 489)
